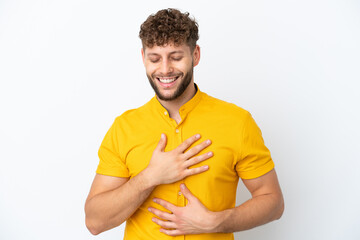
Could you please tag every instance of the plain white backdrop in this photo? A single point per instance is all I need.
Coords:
(68, 68)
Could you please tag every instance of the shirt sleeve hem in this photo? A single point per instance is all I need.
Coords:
(258, 172)
(112, 173)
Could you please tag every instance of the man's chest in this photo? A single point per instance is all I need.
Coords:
(143, 140)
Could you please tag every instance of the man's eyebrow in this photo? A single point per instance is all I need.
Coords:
(173, 52)
(152, 54)
(178, 51)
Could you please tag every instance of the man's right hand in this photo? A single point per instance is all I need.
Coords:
(172, 166)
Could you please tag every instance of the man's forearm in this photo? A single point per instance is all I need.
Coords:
(110, 209)
(254, 212)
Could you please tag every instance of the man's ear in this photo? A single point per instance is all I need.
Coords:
(196, 55)
(143, 55)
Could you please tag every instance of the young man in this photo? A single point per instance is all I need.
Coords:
(185, 184)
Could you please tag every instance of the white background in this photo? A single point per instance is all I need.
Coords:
(68, 68)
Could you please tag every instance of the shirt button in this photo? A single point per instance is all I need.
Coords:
(165, 113)
(179, 193)
(177, 130)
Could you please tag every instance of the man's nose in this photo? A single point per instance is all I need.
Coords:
(166, 67)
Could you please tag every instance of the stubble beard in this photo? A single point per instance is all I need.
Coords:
(178, 92)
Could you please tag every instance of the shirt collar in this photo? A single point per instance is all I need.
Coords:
(184, 109)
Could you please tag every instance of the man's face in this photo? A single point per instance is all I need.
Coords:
(170, 69)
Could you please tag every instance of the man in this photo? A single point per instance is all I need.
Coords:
(185, 184)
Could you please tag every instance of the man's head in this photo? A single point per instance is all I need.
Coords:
(170, 52)
(169, 26)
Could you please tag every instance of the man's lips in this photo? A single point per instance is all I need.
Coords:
(167, 79)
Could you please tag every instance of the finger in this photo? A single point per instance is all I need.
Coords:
(187, 143)
(193, 171)
(164, 224)
(198, 148)
(165, 204)
(187, 194)
(162, 214)
(198, 159)
(162, 143)
(175, 232)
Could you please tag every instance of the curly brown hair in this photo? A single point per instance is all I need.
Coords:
(169, 26)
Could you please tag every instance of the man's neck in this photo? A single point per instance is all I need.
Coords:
(173, 106)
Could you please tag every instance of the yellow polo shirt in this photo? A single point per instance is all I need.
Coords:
(237, 144)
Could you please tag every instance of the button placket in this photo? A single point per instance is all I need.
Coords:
(179, 140)
(180, 198)
(178, 134)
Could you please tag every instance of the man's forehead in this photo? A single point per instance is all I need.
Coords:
(167, 49)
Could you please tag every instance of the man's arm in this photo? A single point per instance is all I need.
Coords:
(113, 200)
(266, 205)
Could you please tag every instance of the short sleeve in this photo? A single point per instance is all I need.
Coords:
(255, 159)
(110, 162)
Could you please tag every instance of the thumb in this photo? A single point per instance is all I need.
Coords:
(162, 143)
(187, 194)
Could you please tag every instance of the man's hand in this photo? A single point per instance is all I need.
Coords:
(266, 205)
(194, 218)
(172, 166)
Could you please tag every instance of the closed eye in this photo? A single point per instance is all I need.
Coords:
(154, 60)
(176, 58)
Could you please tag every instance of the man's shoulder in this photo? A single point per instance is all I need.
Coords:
(219, 106)
(135, 113)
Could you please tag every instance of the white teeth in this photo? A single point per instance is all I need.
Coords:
(167, 80)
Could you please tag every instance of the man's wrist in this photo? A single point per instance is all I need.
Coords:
(148, 179)
(218, 219)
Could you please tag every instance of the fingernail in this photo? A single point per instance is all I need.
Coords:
(210, 154)
(206, 167)
(149, 209)
(208, 141)
(162, 135)
(154, 200)
(182, 186)
(197, 136)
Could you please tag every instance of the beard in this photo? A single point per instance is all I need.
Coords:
(186, 79)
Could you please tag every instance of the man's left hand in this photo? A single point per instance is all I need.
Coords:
(194, 218)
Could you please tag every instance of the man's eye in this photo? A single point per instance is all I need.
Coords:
(176, 58)
(154, 60)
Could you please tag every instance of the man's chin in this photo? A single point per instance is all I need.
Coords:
(166, 93)
(166, 96)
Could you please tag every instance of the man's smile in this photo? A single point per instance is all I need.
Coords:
(167, 79)
(167, 82)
